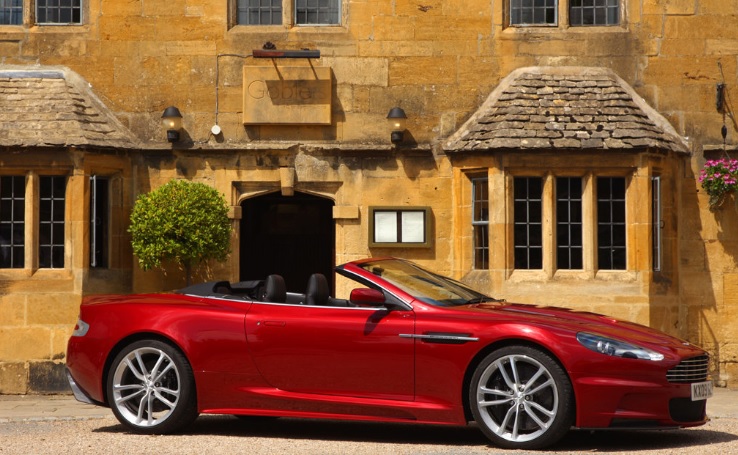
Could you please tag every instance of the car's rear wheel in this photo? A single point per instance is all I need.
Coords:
(521, 398)
(151, 388)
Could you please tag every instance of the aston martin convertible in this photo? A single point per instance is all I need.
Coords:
(407, 345)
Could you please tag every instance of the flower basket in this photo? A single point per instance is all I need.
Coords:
(719, 178)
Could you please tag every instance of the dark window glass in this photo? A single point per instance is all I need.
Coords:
(657, 220)
(11, 12)
(59, 11)
(52, 196)
(99, 221)
(12, 221)
(480, 222)
(611, 235)
(594, 12)
(528, 233)
(259, 12)
(317, 12)
(533, 12)
(569, 223)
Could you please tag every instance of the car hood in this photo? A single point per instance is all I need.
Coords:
(578, 321)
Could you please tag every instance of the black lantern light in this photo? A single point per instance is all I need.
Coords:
(397, 119)
(172, 121)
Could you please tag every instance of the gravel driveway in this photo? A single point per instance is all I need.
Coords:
(228, 435)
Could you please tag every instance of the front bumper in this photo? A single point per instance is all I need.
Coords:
(634, 404)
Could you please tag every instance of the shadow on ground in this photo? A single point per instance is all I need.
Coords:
(348, 431)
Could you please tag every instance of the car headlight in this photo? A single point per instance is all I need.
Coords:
(608, 346)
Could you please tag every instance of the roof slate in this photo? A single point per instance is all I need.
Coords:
(51, 107)
(565, 108)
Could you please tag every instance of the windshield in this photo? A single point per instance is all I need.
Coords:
(424, 285)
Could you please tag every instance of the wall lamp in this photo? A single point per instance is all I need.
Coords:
(397, 120)
(172, 121)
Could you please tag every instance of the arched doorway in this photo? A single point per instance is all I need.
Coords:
(293, 236)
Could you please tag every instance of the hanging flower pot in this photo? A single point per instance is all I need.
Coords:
(719, 178)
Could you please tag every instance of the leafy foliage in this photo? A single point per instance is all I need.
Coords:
(719, 178)
(181, 221)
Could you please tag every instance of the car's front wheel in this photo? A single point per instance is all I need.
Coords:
(151, 388)
(521, 398)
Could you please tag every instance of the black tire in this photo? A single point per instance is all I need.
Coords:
(521, 398)
(151, 388)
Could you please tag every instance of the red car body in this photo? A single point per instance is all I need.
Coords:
(408, 361)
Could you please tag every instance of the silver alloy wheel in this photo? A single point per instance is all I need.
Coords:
(146, 386)
(517, 398)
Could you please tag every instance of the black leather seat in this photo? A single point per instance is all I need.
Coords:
(317, 290)
(276, 290)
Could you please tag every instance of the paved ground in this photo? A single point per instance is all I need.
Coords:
(18, 408)
(60, 425)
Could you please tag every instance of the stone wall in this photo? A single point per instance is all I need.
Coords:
(437, 60)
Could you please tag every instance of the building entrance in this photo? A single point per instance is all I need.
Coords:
(293, 236)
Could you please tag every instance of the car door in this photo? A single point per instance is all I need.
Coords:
(345, 351)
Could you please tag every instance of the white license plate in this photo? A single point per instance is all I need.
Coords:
(701, 390)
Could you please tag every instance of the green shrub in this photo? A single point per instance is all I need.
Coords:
(182, 221)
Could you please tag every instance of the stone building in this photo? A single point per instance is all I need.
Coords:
(551, 153)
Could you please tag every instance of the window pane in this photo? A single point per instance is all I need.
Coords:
(385, 227)
(481, 247)
(51, 221)
(569, 223)
(413, 227)
(324, 12)
(656, 220)
(527, 231)
(480, 222)
(99, 222)
(594, 12)
(12, 221)
(259, 12)
(59, 11)
(611, 233)
(11, 12)
(533, 12)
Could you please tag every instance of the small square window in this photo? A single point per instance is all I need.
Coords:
(259, 12)
(11, 12)
(594, 12)
(59, 11)
(317, 12)
(399, 227)
(533, 12)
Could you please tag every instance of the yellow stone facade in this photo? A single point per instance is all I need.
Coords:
(438, 60)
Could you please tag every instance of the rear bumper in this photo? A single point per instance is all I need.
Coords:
(79, 394)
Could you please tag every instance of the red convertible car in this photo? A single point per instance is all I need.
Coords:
(407, 346)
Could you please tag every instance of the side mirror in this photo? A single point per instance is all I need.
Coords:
(367, 297)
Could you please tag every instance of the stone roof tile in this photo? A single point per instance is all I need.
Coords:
(45, 106)
(565, 108)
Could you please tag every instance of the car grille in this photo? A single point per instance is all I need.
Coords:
(689, 370)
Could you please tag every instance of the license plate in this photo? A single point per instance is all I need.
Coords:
(701, 390)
